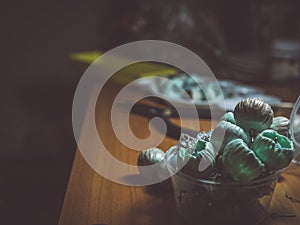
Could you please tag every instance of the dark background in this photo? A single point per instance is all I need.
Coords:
(38, 79)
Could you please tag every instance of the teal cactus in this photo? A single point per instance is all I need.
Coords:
(229, 117)
(275, 150)
(225, 132)
(241, 162)
(281, 124)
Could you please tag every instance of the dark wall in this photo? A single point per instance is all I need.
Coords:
(38, 78)
(38, 81)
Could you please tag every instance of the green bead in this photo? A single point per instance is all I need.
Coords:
(200, 145)
(253, 114)
(225, 132)
(241, 162)
(275, 150)
(229, 117)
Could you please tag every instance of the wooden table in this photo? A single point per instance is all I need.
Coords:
(92, 199)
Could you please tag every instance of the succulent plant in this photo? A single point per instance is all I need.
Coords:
(246, 144)
(241, 162)
(150, 157)
(229, 117)
(253, 114)
(275, 150)
(225, 132)
(281, 124)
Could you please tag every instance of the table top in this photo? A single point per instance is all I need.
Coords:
(92, 199)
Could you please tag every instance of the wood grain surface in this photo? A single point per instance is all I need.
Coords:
(92, 199)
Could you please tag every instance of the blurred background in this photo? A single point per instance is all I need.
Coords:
(256, 42)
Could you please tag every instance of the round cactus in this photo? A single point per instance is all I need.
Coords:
(225, 132)
(275, 150)
(241, 162)
(253, 114)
